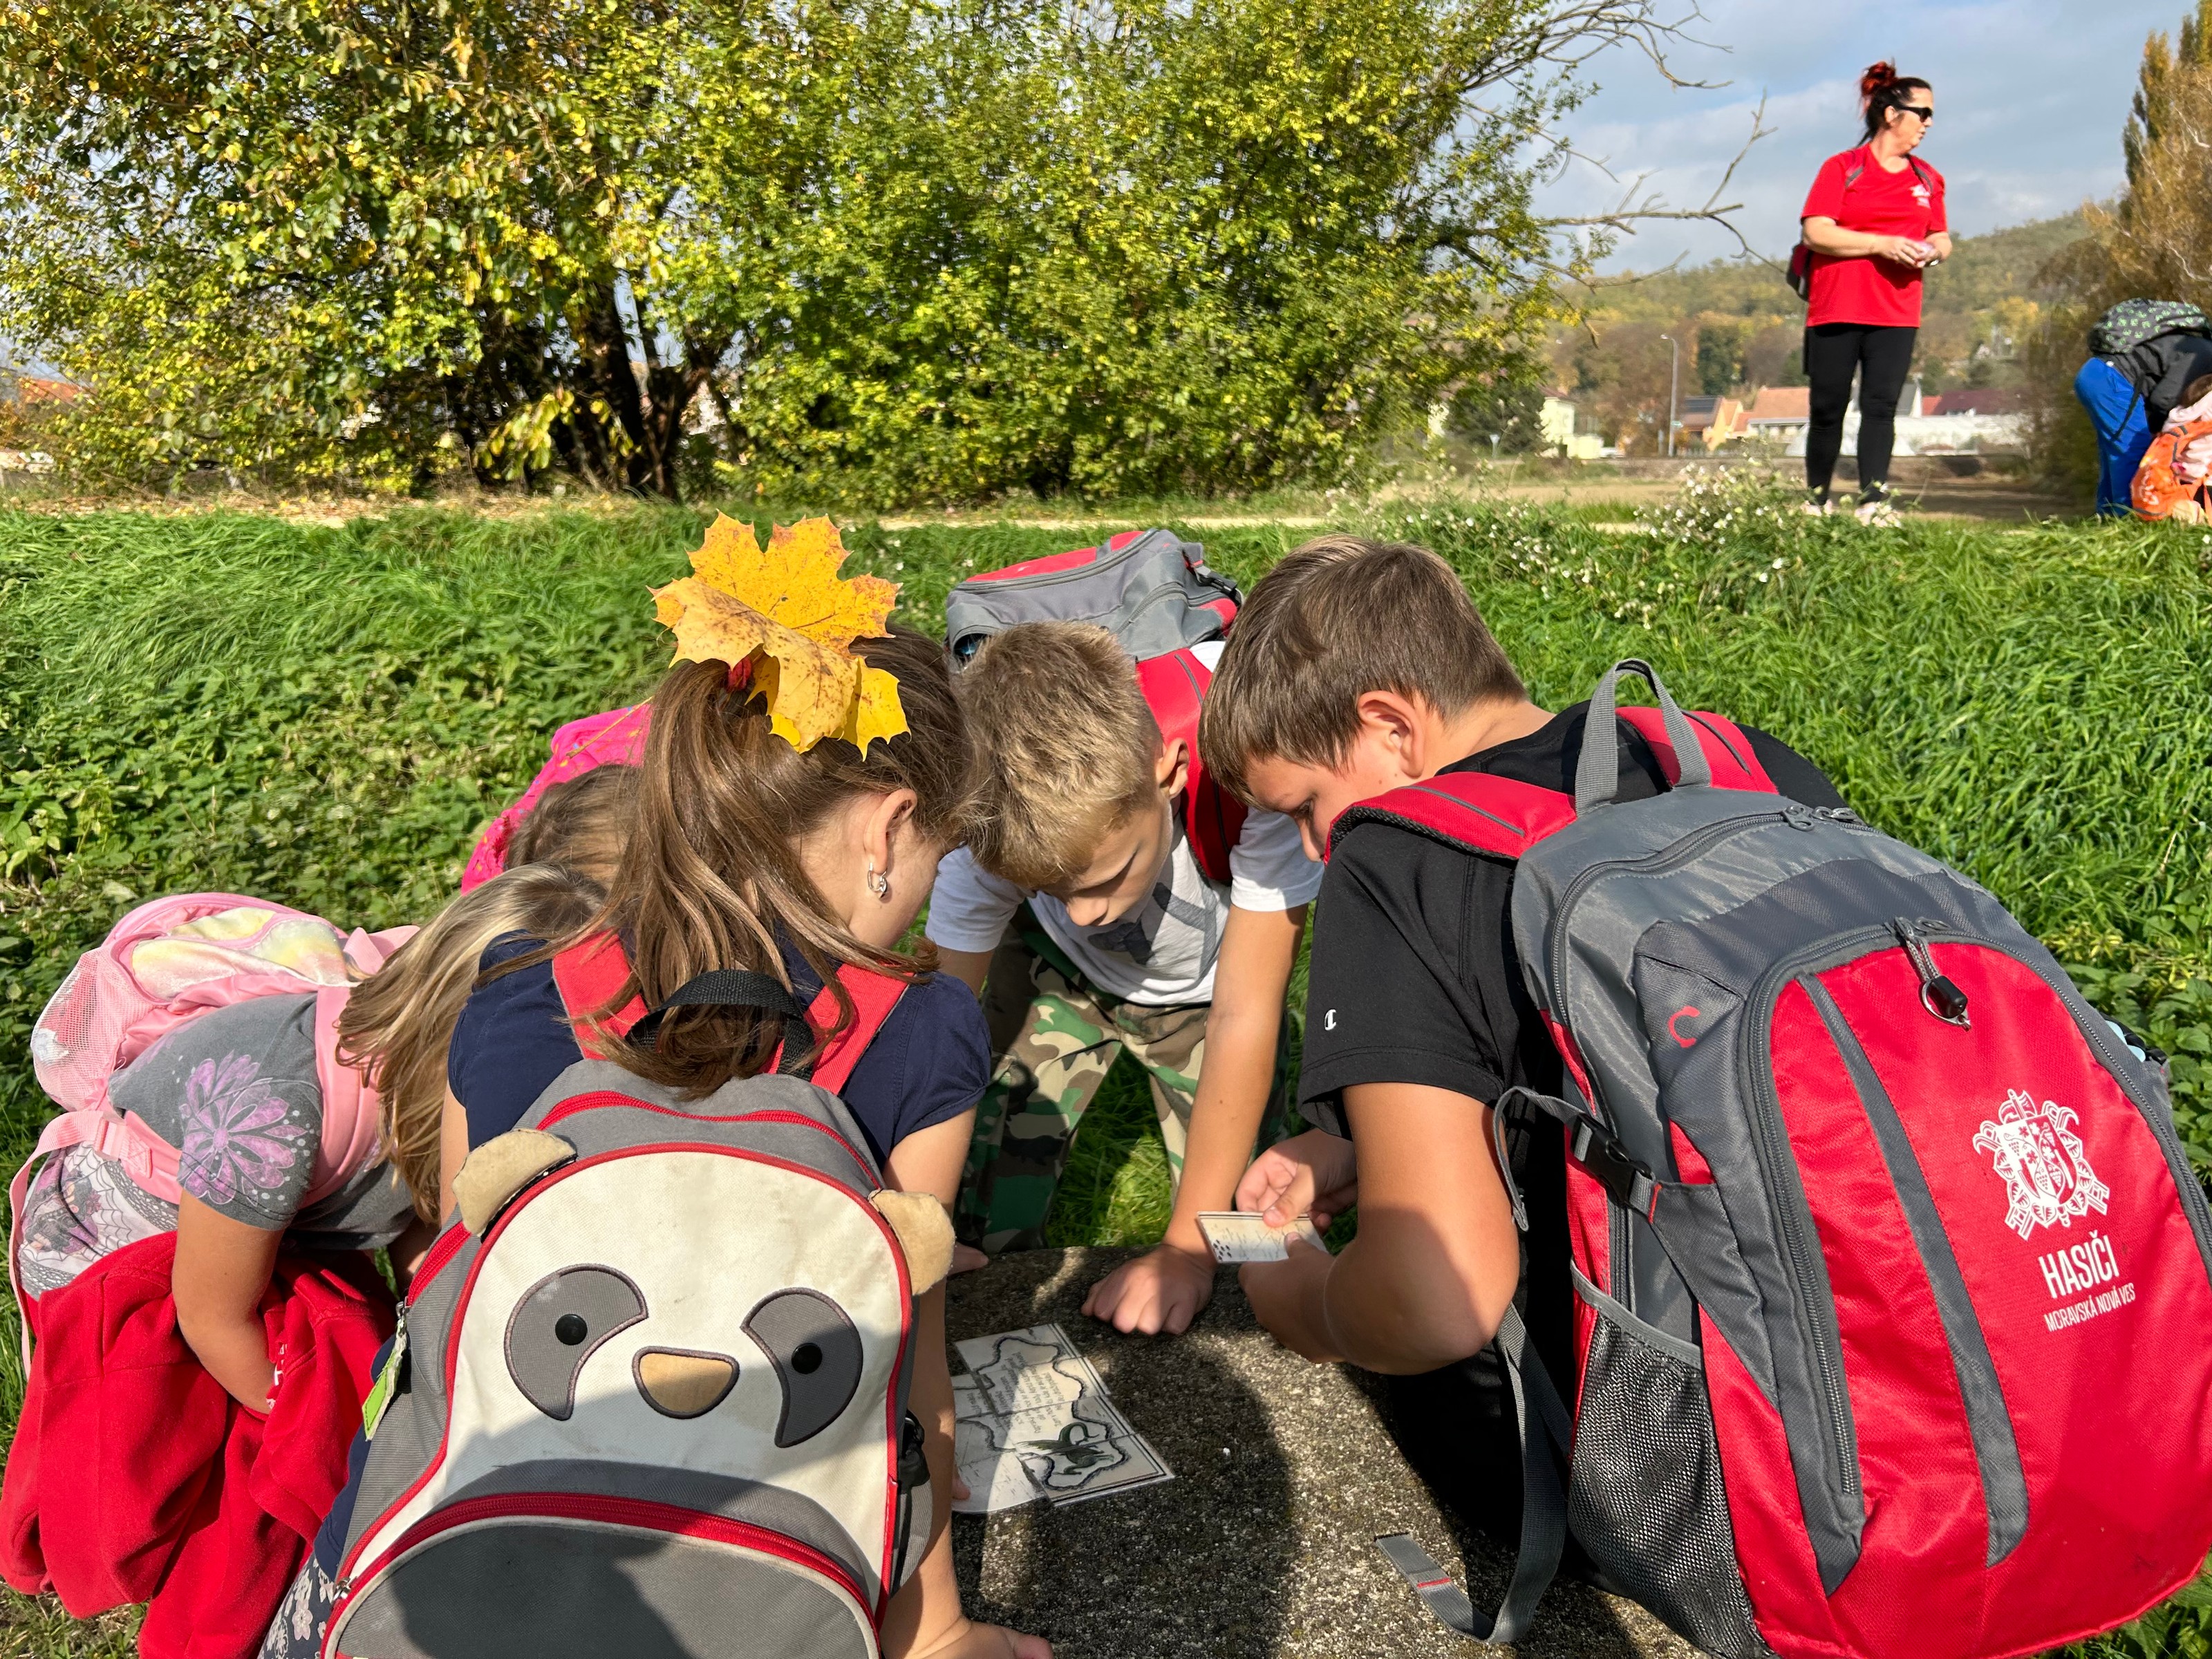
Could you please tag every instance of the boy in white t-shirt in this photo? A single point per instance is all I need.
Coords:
(1082, 903)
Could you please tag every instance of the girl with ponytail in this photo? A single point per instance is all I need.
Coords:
(1873, 223)
(808, 867)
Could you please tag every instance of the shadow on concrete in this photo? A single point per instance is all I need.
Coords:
(1456, 1433)
(1198, 1566)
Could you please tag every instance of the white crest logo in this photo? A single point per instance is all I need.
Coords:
(2045, 1169)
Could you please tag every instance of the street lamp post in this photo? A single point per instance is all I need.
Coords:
(1674, 381)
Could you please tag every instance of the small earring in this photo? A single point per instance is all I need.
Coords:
(880, 884)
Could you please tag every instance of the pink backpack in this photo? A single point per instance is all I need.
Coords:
(162, 966)
(616, 738)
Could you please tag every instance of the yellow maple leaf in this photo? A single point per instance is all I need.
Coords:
(785, 609)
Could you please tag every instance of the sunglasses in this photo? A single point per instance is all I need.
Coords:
(1926, 115)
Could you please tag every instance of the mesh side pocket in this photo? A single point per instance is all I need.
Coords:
(1646, 1500)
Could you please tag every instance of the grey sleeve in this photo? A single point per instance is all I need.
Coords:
(235, 1091)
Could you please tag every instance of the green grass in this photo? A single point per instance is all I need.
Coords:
(325, 716)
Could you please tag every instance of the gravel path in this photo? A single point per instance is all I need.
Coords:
(1261, 1548)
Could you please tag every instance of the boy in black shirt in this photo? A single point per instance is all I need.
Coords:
(1358, 667)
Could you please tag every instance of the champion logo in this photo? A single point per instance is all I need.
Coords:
(1674, 1027)
(2045, 1169)
(1328, 1021)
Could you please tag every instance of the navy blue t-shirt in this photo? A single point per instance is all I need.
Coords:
(928, 1063)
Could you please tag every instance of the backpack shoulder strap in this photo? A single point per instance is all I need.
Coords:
(592, 971)
(1727, 750)
(1174, 686)
(1474, 811)
(874, 995)
(587, 975)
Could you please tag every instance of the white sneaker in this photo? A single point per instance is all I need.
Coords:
(1878, 515)
(1816, 509)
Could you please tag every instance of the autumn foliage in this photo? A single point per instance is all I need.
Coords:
(907, 249)
(783, 615)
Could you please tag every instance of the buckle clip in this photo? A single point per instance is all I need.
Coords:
(1626, 1181)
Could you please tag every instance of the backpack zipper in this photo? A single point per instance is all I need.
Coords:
(1691, 846)
(640, 1513)
(1770, 1137)
(2113, 1055)
(597, 1099)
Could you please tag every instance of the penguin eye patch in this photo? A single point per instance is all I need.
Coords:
(816, 1353)
(559, 1324)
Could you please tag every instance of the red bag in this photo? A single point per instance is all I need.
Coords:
(1893, 1279)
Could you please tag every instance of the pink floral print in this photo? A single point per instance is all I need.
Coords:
(239, 1133)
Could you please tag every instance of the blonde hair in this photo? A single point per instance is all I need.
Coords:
(583, 823)
(1338, 618)
(1069, 748)
(398, 1023)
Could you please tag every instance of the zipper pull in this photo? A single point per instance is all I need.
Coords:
(1797, 817)
(1938, 995)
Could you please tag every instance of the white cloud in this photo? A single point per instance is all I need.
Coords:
(2031, 95)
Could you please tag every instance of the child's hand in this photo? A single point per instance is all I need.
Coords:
(1159, 1293)
(1313, 1174)
(969, 1640)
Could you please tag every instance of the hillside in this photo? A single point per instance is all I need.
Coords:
(1739, 327)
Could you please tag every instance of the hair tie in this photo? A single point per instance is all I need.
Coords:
(741, 675)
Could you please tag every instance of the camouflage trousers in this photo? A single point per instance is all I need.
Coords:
(1054, 1038)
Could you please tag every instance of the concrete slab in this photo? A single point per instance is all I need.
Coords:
(1261, 1547)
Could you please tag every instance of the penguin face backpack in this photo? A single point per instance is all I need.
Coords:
(649, 1394)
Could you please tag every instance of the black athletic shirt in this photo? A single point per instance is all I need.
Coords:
(1414, 978)
(928, 1063)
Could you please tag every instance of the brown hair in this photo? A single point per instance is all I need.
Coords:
(2195, 390)
(395, 1027)
(1882, 89)
(1341, 616)
(581, 822)
(711, 876)
(1066, 747)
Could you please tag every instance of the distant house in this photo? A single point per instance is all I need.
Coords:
(1555, 425)
(1988, 421)
(1780, 411)
(1712, 421)
(16, 387)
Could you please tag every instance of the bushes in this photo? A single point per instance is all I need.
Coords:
(325, 716)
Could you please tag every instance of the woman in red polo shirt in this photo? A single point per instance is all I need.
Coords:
(1874, 222)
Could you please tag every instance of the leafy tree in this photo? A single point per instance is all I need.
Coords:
(1720, 354)
(927, 248)
(1510, 406)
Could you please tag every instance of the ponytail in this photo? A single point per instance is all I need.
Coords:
(1882, 89)
(711, 876)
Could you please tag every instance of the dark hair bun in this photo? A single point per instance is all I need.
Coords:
(1878, 77)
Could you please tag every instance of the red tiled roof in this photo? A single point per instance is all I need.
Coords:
(37, 389)
(1984, 400)
(1782, 403)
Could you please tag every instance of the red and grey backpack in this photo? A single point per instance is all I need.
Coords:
(1154, 592)
(1893, 1278)
(649, 1390)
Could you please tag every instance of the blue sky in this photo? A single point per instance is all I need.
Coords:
(2031, 94)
